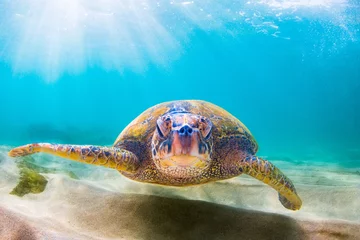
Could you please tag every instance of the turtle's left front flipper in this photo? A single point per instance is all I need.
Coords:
(110, 157)
(266, 172)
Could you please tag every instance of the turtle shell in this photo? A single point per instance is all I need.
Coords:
(137, 135)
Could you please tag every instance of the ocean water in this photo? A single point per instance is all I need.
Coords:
(79, 71)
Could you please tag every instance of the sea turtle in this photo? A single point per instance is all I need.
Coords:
(180, 143)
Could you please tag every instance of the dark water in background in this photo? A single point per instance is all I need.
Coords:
(290, 74)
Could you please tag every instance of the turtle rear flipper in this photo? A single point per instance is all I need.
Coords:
(286, 203)
(112, 157)
(266, 172)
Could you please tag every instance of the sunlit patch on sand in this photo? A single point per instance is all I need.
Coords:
(103, 204)
(50, 38)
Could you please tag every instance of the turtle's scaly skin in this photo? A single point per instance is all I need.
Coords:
(140, 152)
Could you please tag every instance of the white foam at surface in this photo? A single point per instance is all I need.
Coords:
(285, 4)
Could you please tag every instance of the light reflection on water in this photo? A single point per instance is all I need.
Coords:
(51, 38)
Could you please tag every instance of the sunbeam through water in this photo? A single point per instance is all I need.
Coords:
(72, 35)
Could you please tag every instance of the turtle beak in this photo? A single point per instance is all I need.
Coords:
(184, 141)
(183, 154)
(185, 149)
(180, 149)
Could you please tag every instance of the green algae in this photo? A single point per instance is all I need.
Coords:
(31, 180)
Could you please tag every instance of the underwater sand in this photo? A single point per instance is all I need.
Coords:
(102, 204)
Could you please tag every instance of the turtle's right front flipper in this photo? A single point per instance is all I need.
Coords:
(266, 172)
(110, 157)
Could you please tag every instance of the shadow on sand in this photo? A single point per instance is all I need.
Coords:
(151, 217)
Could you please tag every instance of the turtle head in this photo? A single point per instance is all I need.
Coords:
(182, 144)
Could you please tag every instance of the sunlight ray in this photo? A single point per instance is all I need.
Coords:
(52, 38)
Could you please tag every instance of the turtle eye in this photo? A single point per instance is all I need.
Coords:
(159, 131)
(163, 127)
(205, 127)
(207, 135)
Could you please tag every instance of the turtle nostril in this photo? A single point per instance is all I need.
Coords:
(185, 130)
(182, 130)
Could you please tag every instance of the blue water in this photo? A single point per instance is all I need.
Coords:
(79, 72)
(291, 74)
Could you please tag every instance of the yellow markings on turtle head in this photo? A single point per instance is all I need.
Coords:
(186, 121)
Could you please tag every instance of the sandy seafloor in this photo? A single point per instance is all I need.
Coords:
(102, 204)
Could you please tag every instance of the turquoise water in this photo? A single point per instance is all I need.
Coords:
(290, 73)
(79, 72)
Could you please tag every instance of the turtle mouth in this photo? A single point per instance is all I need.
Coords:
(183, 161)
(182, 156)
(183, 166)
